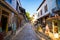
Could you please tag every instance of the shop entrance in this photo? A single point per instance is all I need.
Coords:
(4, 23)
(4, 20)
(54, 23)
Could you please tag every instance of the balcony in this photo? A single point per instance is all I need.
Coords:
(56, 9)
(22, 10)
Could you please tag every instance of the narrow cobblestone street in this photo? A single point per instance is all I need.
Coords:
(29, 19)
(27, 33)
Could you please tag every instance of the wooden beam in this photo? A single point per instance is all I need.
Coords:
(7, 5)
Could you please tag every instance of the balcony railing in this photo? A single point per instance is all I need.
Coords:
(56, 9)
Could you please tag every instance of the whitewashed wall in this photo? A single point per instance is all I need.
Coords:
(13, 4)
(50, 5)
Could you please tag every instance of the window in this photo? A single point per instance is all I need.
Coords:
(41, 12)
(17, 6)
(38, 15)
(10, 1)
(58, 3)
(45, 8)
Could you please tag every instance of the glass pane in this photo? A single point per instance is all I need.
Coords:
(58, 2)
(9, 1)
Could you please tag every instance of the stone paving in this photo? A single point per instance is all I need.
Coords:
(27, 33)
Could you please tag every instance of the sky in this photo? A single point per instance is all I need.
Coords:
(30, 5)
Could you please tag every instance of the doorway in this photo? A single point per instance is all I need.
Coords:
(4, 23)
(4, 20)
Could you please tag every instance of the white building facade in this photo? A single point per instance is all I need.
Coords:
(46, 8)
(48, 12)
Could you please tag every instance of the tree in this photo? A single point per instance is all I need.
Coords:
(28, 15)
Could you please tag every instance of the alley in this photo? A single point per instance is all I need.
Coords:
(27, 33)
(29, 19)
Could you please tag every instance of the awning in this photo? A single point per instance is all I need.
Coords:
(43, 16)
(22, 9)
(53, 18)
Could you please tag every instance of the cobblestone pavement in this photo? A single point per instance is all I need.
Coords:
(27, 33)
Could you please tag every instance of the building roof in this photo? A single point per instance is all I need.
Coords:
(41, 5)
(22, 9)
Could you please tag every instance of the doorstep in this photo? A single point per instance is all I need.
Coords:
(8, 36)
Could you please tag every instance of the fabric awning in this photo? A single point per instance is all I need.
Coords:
(53, 18)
